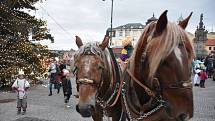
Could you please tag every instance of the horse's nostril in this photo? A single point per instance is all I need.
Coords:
(91, 108)
(85, 111)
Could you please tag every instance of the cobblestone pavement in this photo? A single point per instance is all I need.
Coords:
(41, 107)
(204, 102)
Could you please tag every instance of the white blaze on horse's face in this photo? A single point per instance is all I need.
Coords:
(178, 54)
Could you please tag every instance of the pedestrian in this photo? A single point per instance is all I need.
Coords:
(63, 65)
(58, 81)
(196, 78)
(53, 70)
(209, 63)
(67, 88)
(21, 85)
(203, 77)
(126, 52)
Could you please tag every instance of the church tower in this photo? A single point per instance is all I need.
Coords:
(200, 39)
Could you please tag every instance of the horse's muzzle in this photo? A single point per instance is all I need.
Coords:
(85, 111)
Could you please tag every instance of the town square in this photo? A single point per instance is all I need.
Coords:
(107, 60)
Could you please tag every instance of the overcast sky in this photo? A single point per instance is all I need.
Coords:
(90, 18)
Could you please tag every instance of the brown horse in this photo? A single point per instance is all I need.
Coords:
(97, 78)
(157, 84)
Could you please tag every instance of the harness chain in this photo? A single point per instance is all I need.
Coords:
(102, 103)
(182, 85)
(142, 114)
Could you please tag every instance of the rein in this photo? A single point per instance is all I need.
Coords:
(118, 85)
(148, 91)
(125, 90)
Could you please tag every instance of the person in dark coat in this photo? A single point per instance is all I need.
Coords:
(62, 65)
(209, 63)
(53, 75)
(67, 88)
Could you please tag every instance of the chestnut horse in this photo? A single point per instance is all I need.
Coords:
(97, 78)
(157, 84)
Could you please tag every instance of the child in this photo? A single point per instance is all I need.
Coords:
(21, 85)
(203, 77)
(196, 78)
(67, 88)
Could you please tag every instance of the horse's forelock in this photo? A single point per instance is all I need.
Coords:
(89, 48)
(158, 48)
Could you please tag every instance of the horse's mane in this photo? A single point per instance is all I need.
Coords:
(158, 48)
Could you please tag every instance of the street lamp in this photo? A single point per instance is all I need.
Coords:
(111, 22)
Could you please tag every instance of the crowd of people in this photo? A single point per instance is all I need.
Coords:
(60, 77)
(203, 68)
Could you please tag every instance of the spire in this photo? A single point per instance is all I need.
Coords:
(201, 24)
(153, 14)
(180, 18)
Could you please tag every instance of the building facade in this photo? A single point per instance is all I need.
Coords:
(133, 30)
(130, 30)
(210, 46)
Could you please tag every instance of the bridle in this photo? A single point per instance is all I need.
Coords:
(156, 95)
(87, 81)
(162, 103)
(100, 98)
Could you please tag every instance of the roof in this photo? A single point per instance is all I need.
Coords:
(153, 18)
(211, 35)
(131, 26)
(210, 42)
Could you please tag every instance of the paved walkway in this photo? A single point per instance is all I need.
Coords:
(41, 107)
(204, 102)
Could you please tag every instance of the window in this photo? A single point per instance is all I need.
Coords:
(120, 33)
(113, 33)
(214, 48)
(127, 33)
(209, 48)
(135, 32)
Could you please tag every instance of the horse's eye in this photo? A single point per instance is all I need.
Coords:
(180, 44)
(165, 63)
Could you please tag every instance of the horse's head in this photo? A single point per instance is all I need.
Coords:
(162, 59)
(89, 69)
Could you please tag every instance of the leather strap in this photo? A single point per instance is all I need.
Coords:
(148, 91)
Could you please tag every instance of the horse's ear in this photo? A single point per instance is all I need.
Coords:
(104, 43)
(161, 23)
(78, 41)
(184, 23)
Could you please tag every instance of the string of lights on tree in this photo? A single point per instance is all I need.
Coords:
(16, 48)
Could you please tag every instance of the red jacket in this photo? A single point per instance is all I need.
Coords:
(203, 75)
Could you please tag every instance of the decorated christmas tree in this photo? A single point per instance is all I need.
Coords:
(17, 51)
